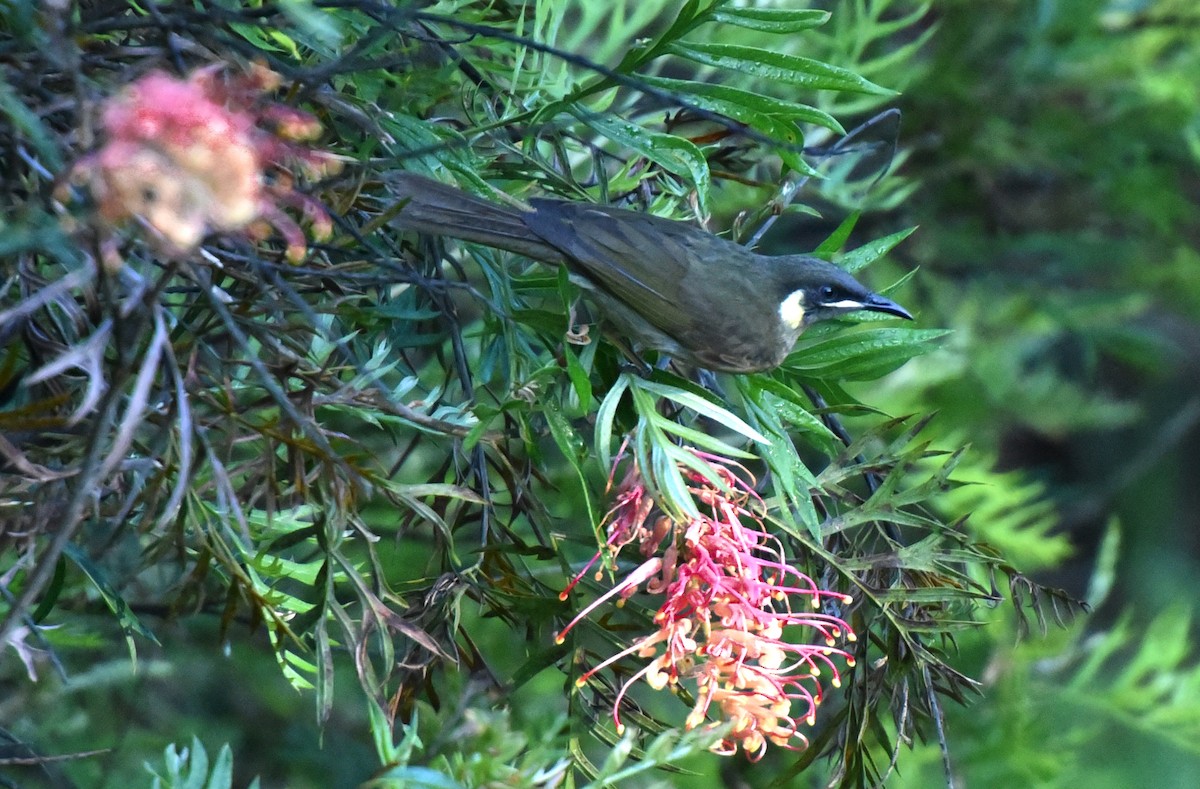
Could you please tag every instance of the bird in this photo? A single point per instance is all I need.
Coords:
(668, 285)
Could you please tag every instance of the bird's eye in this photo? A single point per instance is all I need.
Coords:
(826, 293)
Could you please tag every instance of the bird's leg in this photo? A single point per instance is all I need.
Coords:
(633, 363)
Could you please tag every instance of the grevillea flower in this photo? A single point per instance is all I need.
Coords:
(738, 624)
(186, 157)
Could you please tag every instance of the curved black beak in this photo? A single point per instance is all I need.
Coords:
(877, 303)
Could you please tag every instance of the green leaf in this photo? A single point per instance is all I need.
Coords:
(792, 480)
(269, 40)
(674, 154)
(412, 778)
(222, 770)
(51, 593)
(861, 257)
(1104, 575)
(701, 440)
(604, 420)
(187, 768)
(573, 449)
(703, 407)
(777, 67)
(838, 237)
(30, 126)
(744, 105)
(772, 20)
(581, 384)
(787, 403)
(319, 27)
(659, 458)
(129, 621)
(862, 355)
(770, 116)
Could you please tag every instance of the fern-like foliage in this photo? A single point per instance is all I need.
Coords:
(188, 768)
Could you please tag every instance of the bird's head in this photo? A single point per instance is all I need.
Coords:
(815, 290)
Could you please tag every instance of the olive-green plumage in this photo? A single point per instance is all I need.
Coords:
(669, 285)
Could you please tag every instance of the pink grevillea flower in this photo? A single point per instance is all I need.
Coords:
(186, 157)
(738, 625)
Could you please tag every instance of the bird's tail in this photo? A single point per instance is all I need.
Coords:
(442, 210)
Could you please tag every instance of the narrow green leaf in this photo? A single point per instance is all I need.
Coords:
(778, 67)
(324, 655)
(702, 440)
(861, 257)
(733, 102)
(787, 403)
(791, 479)
(197, 767)
(772, 20)
(794, 482)
(53, 590)
(674, 154)
(1105, 573)
(668, 480)
(125, 616)
(30, 126)
(381, 733)
(581, 384)
(704, 408)
(412, 777)
(222, 771)
(573, 449)
(838, 237)
(443, 489)
(861, 355)
(605, 415)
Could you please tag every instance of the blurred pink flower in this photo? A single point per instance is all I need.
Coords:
(205, 154)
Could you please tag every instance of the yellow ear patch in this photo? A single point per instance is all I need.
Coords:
(791, 310)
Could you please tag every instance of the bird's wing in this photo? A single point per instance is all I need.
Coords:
(645, 261)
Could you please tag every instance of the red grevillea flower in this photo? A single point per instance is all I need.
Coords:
(738, 624)
(186, 157)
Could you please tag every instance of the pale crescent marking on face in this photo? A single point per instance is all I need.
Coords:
(791, 309)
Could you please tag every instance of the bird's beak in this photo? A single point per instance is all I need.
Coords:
(876, 303)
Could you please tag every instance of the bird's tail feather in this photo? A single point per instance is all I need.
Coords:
(439, 209)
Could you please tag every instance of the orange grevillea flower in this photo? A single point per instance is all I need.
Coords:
(741, 626)
(186, 157)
